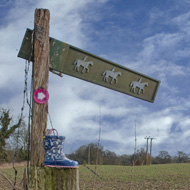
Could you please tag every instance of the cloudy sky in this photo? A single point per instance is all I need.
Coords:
(148, 36)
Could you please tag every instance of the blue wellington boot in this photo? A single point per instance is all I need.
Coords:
(54, 155)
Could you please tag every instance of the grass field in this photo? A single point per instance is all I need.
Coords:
(162, 177)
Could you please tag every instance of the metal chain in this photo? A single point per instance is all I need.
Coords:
(25, 95)
(29, 102)
(25, 98)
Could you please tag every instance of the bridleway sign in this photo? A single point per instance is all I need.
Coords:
(75, 62)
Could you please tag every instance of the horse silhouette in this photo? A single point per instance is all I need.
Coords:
(111, 74)
(139, 85)
(82, 63)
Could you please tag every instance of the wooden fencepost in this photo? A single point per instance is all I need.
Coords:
(40, 80)
(43, 178)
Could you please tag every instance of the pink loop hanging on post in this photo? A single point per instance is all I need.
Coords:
(41, 96)
(51, 130)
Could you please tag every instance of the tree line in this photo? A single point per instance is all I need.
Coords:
(14, 144)
(87, 154)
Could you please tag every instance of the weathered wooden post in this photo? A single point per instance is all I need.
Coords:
(42, 177)
(40, 80)
(151, 150)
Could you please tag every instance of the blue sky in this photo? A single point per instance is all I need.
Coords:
(148, 36)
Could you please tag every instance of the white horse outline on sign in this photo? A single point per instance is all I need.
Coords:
(138, 84)
(111, 74)
(83, 63)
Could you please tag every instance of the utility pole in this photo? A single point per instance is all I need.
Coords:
(151, 150)
(89, 154)
(147, 138)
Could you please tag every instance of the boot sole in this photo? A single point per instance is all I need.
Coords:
(56, 166)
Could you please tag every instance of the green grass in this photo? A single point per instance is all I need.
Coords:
(10, 174)
(162, 177)
(169, 176)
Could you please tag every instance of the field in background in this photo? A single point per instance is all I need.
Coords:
(8, 173)
(162, 177)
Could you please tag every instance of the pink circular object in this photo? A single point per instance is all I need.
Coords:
(41, 96)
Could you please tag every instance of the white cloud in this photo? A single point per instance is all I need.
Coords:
(74, 105)
(182, 21)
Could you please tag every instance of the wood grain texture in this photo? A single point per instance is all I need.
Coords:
(42, 178)
(40, 80)
(54, 178)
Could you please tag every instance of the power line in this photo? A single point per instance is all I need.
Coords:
(135, 149)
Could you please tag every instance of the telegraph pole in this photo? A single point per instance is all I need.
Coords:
(151, 150)
(147, 138)
(89, 154)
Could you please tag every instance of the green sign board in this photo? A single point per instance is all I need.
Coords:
(75, 62)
